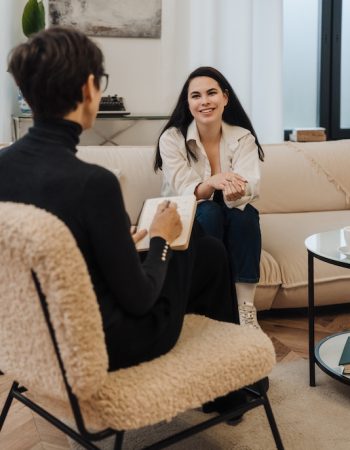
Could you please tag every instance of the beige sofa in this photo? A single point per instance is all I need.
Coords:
(305, 189)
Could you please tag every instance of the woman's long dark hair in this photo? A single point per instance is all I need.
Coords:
(181, 117)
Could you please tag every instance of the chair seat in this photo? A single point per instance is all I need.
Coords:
(198, 369)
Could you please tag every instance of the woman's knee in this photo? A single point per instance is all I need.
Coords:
(246, 219)
(210, 216)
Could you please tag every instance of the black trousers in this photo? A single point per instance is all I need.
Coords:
(198, 281)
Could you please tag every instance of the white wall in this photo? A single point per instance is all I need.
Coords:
(10, 35)
(242, 38)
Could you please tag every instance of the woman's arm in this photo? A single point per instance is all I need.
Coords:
(180, 175)
(246, 163)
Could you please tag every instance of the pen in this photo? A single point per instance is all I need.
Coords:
(166, 205)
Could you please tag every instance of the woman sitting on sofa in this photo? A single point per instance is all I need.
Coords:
(209, 148)
(60, 73)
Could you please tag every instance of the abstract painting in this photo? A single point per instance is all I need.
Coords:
(114, 18)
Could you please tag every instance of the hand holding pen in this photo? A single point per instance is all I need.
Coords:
(166, 223)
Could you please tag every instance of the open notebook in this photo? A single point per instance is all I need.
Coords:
(186, 206)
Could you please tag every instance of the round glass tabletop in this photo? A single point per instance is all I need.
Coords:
(329, 245)
(328, 352)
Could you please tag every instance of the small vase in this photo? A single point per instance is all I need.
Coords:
(23, 105)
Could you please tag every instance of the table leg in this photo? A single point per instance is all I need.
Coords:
(311, 315)
(110, 139)
(14, 129)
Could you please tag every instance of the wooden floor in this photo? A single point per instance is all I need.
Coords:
(24, 430)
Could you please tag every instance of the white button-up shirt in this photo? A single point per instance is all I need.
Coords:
(238, 153)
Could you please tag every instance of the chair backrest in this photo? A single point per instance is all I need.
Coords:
(32, 239)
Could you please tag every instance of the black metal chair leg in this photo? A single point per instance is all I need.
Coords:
(7, 405)
(272, 422)
(119, 440)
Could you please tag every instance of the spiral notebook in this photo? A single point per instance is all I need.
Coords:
(186, 206)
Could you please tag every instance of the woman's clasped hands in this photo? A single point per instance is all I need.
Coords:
(232, 185)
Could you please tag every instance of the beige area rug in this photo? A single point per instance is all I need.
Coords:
(308, 418)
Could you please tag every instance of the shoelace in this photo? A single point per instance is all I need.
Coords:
(248, 316)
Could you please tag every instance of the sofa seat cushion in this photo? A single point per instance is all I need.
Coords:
(270, 273)
(270, 281)
(283, 236)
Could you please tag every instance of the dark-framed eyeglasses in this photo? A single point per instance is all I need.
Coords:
(104, 82)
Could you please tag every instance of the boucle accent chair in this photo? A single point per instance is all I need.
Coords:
(52, 344)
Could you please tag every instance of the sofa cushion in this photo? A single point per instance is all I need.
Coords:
(326, 293)
(294, 175)
(283, 236)
(270, 281)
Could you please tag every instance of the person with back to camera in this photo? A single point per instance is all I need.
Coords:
(142, 300)
(209, 148)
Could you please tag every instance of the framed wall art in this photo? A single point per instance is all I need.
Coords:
(117, 18)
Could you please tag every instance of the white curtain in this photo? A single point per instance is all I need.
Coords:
(241, 38)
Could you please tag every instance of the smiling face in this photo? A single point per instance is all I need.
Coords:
(206, 100)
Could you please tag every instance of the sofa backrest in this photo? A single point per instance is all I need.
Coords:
(133, 165)
(299, 177)
(296, 177)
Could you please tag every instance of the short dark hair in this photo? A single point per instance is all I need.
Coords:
(51, 68)
(181, 117)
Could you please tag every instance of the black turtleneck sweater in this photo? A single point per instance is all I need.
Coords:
(42, 169)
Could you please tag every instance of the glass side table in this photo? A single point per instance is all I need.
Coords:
(327, 355)
(325, 247)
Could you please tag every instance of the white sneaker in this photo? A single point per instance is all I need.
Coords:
(247, 316)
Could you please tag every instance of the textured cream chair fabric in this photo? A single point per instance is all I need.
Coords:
(210, 359)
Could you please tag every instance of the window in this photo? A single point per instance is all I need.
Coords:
(317, 65)
(335, 69)
(300, 63)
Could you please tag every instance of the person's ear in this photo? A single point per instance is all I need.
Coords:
(226, 96)
(89, 88)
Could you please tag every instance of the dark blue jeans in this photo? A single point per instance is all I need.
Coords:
(240, 233)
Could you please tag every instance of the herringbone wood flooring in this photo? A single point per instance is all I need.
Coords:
(24, 430)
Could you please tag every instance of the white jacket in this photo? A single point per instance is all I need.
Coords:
(238, 153)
